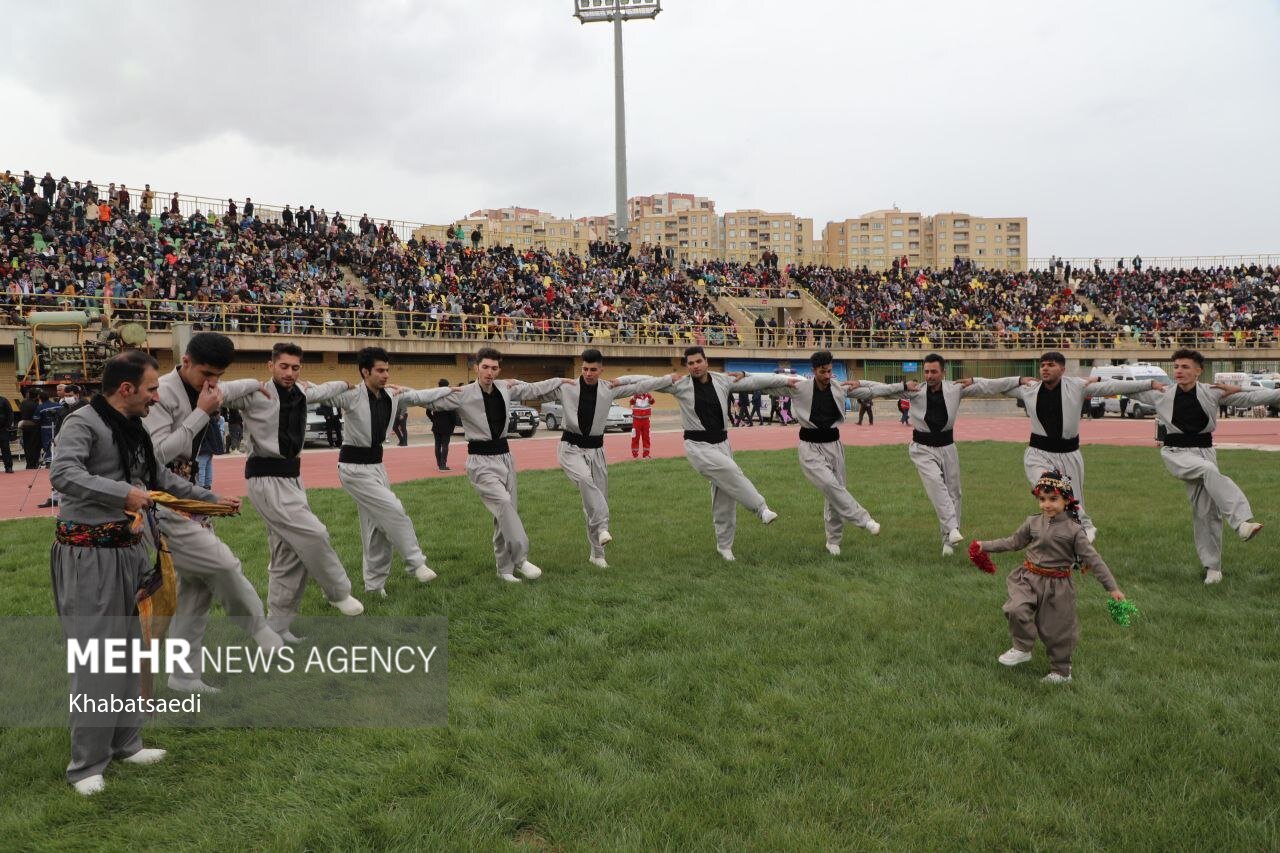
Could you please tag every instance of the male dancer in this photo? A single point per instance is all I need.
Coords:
(581, 450)
(104, 468)
(483, 406)
(275, 424)
(1188, 411)
(703, 396)
(1054, 404)
(206, 569)
(933, 411)
(370, 413)
(818, 404)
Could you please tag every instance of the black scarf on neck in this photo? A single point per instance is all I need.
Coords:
(132, 441)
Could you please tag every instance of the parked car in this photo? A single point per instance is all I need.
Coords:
(316, 433)
(521, 421)
(1141, 370)
(619, 418)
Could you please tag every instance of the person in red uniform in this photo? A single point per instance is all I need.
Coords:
(641, 408)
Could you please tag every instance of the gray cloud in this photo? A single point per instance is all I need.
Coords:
(1115, 127)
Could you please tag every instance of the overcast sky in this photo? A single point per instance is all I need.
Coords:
(1115, 127)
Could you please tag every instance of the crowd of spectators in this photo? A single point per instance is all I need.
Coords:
(451, 289)
(68, 245)
(77, 248)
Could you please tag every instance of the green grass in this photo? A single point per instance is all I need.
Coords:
(789, 701)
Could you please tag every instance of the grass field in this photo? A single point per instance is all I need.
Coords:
(789, 701)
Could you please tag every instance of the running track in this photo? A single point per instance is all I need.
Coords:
(319, 467)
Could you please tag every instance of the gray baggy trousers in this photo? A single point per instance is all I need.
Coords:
(729, 487)
(494, 479)
(586, 468)
(94, 592)
(1046, 608)
(384, 525)
(299, 547)
(823, 465)
(939, 469)
(206, 570)
(1213, 496)
(1036, 461)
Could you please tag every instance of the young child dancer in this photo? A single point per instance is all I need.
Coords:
(1042, 594)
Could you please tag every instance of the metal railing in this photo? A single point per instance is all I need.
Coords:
(298, 318)
(1109, 265)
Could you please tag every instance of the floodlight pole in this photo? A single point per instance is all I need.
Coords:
(619, 130)
(617, 12)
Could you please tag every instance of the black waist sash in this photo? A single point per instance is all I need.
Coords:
(265, 466)
(945, 438)
(493, 447)
(708, 436)
(352, 455)
(818, 435)
(1188, 439)
(1055, 445)
(586, 442)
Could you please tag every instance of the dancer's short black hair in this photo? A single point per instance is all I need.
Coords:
(1191, 354)
(369, 356)
(211, 349)
(821, 358)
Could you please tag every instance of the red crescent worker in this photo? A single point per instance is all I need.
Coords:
(641, 408)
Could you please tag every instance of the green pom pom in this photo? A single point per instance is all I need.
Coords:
(1123, 612)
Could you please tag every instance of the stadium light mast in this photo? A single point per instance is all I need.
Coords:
(617, 11)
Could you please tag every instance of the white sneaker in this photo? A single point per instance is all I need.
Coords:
(947, 550)
(727, 553)
(291, 638)
(424, 574)
(529, 570)
(833, 549)
(178, 684)
(605, 537)
(955, 537)
(90, 785)
(873, 527)
(348, 606)
(1056, 678)
(1013, 657)
(1212, 576)
(598, 561)
(767, 516)
(509, 578)
(268, 639)
(145, 756)
(1091, 533)
(1248, 530)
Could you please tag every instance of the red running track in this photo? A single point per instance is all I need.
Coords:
(319, 467)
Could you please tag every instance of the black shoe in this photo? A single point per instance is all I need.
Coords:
(47, 504)
(446, 468)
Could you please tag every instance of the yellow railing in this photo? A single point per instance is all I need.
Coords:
(285, 320)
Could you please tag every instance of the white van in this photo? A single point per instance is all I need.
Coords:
(1122, 405)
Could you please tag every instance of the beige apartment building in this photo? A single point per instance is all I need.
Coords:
(874, 239)
(664, 203)
(991, 242)
(689, 227)
(746, 234)
(692, 235)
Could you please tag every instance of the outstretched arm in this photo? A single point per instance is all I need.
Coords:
(666, 386)
(764, 381)
(528, 390)
(1016, 542)
(991, 387)
(326, 392)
